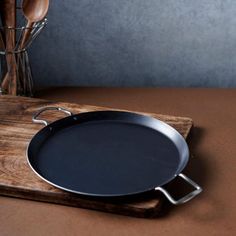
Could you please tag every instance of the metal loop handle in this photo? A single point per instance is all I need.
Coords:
(186, 198)
(39, 112)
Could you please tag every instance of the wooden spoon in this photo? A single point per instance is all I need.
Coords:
(8, 16)
(33, 11)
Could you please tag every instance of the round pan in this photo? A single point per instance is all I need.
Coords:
(109, 154)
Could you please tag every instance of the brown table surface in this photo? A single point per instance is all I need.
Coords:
(213, 144)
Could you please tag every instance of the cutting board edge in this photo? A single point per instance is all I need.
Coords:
(127, 209)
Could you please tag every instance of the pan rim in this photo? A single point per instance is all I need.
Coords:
(172, 131)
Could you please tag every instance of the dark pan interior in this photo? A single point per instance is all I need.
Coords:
(105, 154)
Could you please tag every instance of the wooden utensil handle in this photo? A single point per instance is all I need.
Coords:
(8, 16)
(26, 34)
(2, 44)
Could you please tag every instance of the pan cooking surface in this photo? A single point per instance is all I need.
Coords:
(105, 157)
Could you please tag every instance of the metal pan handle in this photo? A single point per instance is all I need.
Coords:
(39, 112)
(186, 198)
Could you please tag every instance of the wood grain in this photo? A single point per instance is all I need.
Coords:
(18, 180)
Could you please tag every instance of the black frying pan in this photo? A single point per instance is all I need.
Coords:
(109, 154)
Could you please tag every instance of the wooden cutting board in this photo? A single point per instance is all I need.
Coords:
(18, 180)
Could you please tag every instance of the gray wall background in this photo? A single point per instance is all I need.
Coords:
(190, 43)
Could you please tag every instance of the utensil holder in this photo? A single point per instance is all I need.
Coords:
(15, 63)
